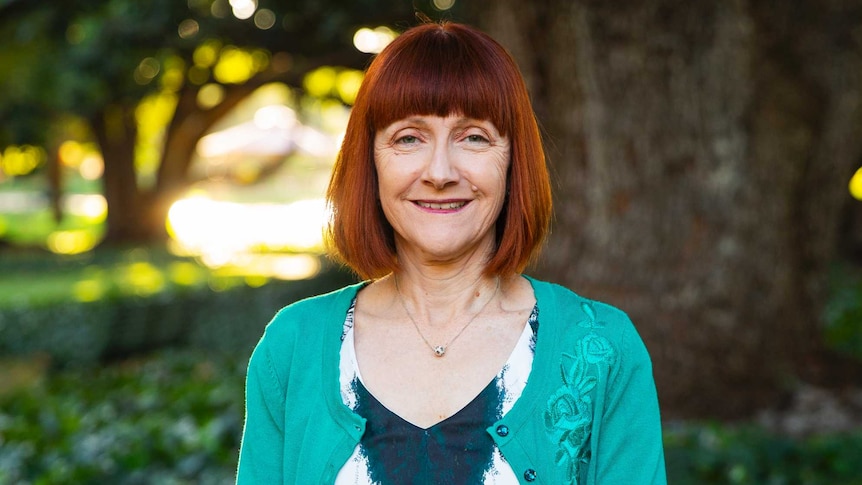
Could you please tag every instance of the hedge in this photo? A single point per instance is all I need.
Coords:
(75, 333)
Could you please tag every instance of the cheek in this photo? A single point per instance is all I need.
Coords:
(395, 176)
(388, 184)
(501, 174)
(384, 175)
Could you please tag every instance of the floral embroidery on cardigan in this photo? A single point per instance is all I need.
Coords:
(569, 413)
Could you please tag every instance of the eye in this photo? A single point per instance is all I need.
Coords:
(407, 140)
(474, 138)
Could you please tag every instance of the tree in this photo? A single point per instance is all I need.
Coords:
(98, 60)
(701, 153)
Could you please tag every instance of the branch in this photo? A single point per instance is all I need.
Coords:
(190, 123)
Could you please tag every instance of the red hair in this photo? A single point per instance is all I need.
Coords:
(439, 69)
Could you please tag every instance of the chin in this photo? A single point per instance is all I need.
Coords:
(448, 250)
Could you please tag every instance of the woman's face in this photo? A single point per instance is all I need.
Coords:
(442, 184)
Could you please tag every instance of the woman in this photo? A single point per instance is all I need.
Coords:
(447, 365)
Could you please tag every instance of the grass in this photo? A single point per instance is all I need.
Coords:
(35, 229)
(36, 278)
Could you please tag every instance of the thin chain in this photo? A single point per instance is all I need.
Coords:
(440, 350)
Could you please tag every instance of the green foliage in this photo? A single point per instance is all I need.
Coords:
(724, 454)
(174, 418)
(34, 228)
(80, 56)
(844, 311)
(78, 311)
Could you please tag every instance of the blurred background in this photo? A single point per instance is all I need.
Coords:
(162, 172)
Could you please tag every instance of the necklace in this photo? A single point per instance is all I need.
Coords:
(440, 350)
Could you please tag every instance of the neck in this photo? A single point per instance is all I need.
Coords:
(442, 300)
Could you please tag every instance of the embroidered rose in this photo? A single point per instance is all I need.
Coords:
(569, 412)
(562, 410)
(569, 415)
(568, 419)
(596, 348)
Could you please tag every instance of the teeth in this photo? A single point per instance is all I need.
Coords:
(443, 206)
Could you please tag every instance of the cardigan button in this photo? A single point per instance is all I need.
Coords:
(503, 430)
(530, 475)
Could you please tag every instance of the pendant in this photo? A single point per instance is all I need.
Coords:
(439, 350)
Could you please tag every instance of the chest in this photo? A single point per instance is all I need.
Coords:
(401, 370)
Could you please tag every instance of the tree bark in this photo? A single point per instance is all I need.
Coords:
(116, 131)
(700, 153)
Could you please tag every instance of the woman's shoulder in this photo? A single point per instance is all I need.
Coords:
(312, 314)
(565, 301)
(576, 316)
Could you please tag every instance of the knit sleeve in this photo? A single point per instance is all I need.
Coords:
(629, 447)
(261, 453)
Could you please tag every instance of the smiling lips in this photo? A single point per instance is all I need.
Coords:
(451, 205)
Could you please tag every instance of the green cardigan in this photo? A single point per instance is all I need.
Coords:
(588, 414)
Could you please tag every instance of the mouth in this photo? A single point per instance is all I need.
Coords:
(445, 206)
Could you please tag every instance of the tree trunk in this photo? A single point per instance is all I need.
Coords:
(188, 125)
(701, 152)
(139, 216)
(116, 131)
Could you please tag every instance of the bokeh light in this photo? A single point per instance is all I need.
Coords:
(185, 273)
(21, 160)
(235, 66)
(71, 242)
(233, 236)
(173, 74)
(320, 82)
(91, 206)
(143, 277)
(71, 153)
(152, 114)
(85, 158)
(206, 54)
(210, 95)
(147, 70)
(89, 290)
(275, 116)
(373, 41)
(264, 19)
(188, 28)
(443, 4)
(243, 9)
(856, 185)
(92, 167)
(347, 84)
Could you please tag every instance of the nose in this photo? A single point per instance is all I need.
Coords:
(441, 169)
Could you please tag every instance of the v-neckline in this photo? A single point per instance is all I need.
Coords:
(439, 424)
(527, 333)
(533, 395)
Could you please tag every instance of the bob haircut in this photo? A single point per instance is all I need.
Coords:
(439, 69)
